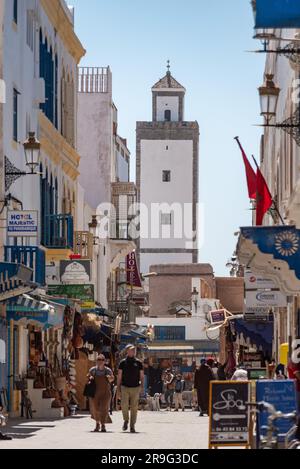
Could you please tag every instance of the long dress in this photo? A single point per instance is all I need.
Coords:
(100, 404)
(203, 376)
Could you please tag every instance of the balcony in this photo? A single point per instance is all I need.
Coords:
(83, 244)
(30, 257)
(127, 309)
(58, 232)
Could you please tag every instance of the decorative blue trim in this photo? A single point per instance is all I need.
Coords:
(282, 242)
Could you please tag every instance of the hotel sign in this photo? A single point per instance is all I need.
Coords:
(22, 223)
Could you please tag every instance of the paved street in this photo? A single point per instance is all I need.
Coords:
(157, 430)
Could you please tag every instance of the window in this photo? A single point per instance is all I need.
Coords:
(15, 12)
(166, 176)
(15, 115)
(30, 29)
(166, 218)
(167, 115)
(168, 333)
(47, 71)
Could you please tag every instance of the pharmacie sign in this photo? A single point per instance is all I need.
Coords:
(22, 223)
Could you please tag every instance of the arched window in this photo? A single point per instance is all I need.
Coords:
(167, 115)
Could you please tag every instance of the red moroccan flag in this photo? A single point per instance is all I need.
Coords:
(250, 173)
(264, 198)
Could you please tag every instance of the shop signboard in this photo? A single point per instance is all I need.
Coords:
(258, 282)
(265, 298)
(280, 393)
(75, 271)
(229, 414)
(253, 359)
(256, 313)
(83, 293)
(20, 313)
(257, 373)
(217, 316)
(22, 223)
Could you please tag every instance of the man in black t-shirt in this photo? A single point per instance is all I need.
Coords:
(130, 384)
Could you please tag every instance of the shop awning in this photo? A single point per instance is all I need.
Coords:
(272, 251)
(271, 14)
(258, 334)
(15, 279)
(29, 309)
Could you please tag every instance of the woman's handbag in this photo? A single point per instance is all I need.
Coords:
(90, 389)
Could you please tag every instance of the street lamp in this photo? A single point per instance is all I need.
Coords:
(236, 269)
(93, 225)
(32, 148)
(150, 274)
(269, 94)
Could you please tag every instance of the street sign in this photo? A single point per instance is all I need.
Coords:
(22, 223)
(259, 298)
(258, 282)
(228, 414)
(280, 393)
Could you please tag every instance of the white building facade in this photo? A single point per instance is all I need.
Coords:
(104, 175)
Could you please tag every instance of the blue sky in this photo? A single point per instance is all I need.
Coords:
(206, 43)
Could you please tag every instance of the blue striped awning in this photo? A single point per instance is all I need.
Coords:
(31, 309)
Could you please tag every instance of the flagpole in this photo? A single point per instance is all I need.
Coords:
(239, 143)
(274, 203)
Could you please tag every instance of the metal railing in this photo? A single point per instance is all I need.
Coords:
(28, 256)
(58, 232)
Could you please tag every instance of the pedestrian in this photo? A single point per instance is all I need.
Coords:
(203, 376)
(178, 394)
(100, 403)
(3, 421)
(294, 372)
(280, 372)
(221, 372)
(169, 388)
(130, 384)
(215, 368)
(240, 374)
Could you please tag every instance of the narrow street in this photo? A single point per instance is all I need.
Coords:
(155, 430)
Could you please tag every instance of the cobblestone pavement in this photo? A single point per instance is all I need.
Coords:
(155, 430)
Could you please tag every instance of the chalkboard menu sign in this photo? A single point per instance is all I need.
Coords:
(280, 393)
(229, 415)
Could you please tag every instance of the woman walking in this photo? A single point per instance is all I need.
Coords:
(100, 404)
